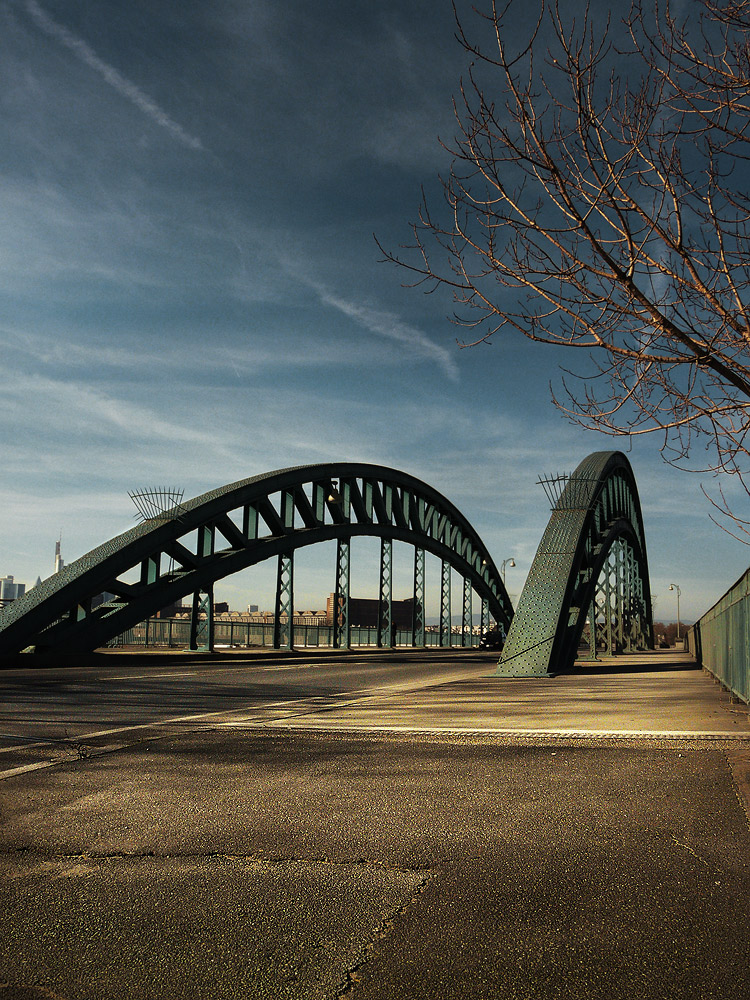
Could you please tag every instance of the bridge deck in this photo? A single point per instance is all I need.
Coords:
(206, 829)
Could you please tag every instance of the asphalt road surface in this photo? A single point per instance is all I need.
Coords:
(374, 827)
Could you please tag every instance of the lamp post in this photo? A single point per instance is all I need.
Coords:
(506, 562)
(673, 586)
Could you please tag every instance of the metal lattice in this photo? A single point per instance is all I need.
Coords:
(466, 617)
(202, 621)
(418, 622)
(182, 548)
(341, 629)
(591, 563)
(385, 625)
(157, 503)
(566, 491)
(445, 603)
(283, 619)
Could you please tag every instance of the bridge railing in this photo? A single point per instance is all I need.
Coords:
(174, 633)
(720, 640)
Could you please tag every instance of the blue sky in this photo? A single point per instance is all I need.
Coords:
(192, 294)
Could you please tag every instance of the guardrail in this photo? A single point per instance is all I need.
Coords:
(174, 633)
(720, 640)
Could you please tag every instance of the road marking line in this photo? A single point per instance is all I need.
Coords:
(74, 741)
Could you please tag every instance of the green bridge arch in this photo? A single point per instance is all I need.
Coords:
(590, 566)
(188, 548)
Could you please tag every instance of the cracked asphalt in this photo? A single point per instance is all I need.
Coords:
(252, 855)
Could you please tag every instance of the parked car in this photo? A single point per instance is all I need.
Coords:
(493, 639)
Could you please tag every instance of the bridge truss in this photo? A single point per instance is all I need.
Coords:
(185, 550)
(590, 567)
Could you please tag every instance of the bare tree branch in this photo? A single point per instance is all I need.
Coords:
(598, 198)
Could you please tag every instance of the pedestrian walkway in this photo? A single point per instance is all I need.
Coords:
(657, 694)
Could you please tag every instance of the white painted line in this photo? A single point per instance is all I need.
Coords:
(26, 767)
(73, 741)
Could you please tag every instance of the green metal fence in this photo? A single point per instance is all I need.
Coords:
(720, 641)
(174, 633)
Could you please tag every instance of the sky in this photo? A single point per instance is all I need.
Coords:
(192, 292)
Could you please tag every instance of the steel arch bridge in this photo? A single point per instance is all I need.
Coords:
(590, 565)
(188, 548)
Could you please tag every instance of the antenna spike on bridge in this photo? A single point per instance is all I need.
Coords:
(157, 502)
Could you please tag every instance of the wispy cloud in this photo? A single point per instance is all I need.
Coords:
(388, 325)
(122, 85)
(66, 350)
(381, 322)
(90, 410)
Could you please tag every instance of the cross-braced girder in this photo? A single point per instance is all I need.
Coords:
(202, 621)
(418, 622)
(617, 619)
(186, 550)
(591, 563)
(385, 624)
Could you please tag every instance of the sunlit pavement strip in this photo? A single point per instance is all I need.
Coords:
(301, 725)
(650, 734)
(358, 697)
(159, 730)
(324, 714)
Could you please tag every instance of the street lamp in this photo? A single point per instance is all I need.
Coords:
(673, 586)
(509, 562)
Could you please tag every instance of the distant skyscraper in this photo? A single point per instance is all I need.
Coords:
(9, 590)
(59, 561)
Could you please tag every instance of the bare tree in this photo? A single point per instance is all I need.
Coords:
(598, 199)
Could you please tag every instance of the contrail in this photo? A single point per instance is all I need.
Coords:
(385, 324)
(87, 55)
(378, 321)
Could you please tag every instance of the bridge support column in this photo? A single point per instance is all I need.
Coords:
(417, 630)
(485, 618)
(466, 622)
(341, 629)
(283, 619)
(445, 603)
(619, 547)
(628, 599)
(608, 637)
(592, 629)
(202, 621)
(385, 629)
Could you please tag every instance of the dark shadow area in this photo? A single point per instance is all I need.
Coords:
(614, 665)
(237, 657)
